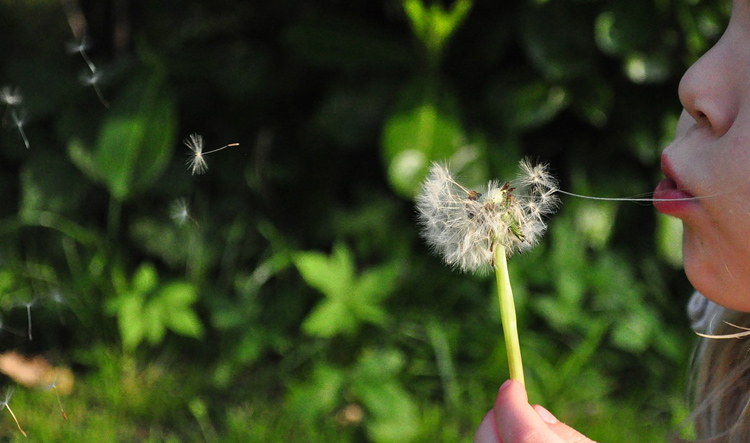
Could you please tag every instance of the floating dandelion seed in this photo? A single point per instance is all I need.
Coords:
(28, 306)
(197, 163)
(19, 120)
(6, 404)
(53, 386)
(464, 226)
(78, 25)
(179, 212)
(12, 98)
(11, 95)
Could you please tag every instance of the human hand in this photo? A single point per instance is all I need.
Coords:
(514, 420)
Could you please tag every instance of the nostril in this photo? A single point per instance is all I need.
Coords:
(702, 119)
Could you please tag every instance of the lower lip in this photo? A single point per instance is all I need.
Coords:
(672, 201)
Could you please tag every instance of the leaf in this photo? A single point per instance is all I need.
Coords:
(424, 127)
(153, 322)
(145, 279)
(320, 395)
(173, 310)
(375, 383)
(178, 294)
(136, 141)
(376, 284)
(332, 276)
(130, 320)
(434, 25)
(528, 103)
(329, 318)
(633, 332)
(184, 322)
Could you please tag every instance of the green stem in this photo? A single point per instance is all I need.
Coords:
(113, 217)
(508, 314)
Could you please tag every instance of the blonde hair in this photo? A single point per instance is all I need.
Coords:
(721, 374)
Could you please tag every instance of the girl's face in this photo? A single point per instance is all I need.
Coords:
(710, 159)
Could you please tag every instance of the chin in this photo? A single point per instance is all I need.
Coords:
(707, 270)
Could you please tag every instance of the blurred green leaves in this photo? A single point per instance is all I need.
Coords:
(136, 139)
(424, 127)
(350, 299)
(433, 25)
(372, 383)
(146, 309)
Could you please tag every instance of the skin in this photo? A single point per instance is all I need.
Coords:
(709, 159)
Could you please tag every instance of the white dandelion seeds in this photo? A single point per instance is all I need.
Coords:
(11, 95)
(179, 212)
(197, 163)
(463, 226)
(19, 119)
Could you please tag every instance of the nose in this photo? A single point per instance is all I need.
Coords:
(707, 90)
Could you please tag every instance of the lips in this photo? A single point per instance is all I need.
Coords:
(671, 198)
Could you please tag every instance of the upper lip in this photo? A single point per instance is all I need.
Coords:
(669, 173)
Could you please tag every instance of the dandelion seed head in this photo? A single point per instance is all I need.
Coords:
(463, 226)
(91, 78)
(537, 176)
(8, 395)
(78, 47)
(179, 211)
(196, 163)
(19, 118)
(11, 95)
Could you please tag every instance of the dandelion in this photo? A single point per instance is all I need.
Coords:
(11, 95)
(12, 98)
(475, 231)
(465, 226)
(179, 212)
(28, 306)
(197, 163)
(19, 119)
(93, 78)
(6, 404)
(78, 25)
(53, 386)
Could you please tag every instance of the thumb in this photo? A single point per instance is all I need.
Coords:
(519, 422)
(562, 430)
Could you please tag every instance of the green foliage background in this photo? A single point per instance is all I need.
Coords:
(299, 302)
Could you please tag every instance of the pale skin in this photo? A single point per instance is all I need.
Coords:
(708, 159)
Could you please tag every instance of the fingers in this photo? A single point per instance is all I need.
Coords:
(487, 432)
(565, 432)
(516, 420)
(519, 422)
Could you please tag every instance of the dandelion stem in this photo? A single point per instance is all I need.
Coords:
(16, 420)
(223, 147)
(508, 314)
(28, 316)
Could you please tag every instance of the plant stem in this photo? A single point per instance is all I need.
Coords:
(508, 314)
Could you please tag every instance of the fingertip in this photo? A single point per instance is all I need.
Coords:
(515, 417)
(487, 432)
(511, 391)
(545, 415)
